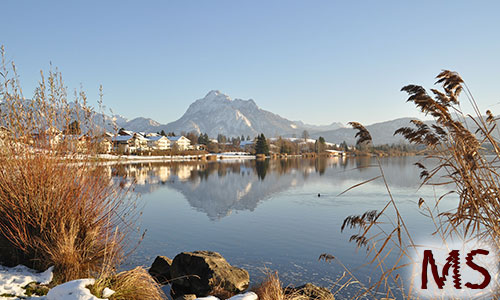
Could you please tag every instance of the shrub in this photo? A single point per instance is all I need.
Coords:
(58, 206)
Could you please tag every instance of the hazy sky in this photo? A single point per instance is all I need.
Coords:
(317, 61)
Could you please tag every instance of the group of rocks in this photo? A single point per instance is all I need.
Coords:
(205, 273)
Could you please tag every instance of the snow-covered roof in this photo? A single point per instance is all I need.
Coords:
(122, 138)
(176, 138)
(156, 138)
(127, 132)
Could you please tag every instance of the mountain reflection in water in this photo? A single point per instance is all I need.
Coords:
(268, 214)
(218, 188)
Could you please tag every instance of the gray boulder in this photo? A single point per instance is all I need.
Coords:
(205, 273)
(160, 269)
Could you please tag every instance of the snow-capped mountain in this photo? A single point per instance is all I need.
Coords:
(218, 113)
(382, 133)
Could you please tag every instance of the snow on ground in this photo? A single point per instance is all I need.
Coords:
(245, 296)
(12, 280)
(73, 290)
(235, 155)
(126, 159)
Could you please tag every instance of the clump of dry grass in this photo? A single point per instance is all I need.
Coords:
(135, 284)
(57, 206)
(59, 215)
(271, 288)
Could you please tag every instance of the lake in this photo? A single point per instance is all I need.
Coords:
(276, 214)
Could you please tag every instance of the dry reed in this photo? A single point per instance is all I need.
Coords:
(467, 151)
(57, 207)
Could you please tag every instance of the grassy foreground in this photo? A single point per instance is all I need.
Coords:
(57, 206)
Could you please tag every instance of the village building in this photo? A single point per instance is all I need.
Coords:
(158, 142)
(130, 143)
(121, 144)
(179, 142)
(125, 132)
(49, 137)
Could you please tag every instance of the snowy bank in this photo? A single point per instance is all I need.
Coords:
(75, 290)
(13, 280)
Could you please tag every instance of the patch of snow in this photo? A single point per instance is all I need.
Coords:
(233, 153)
(293, 126)
(12, 280)
(207, 298)
(72, 290)
(245, 296)
(239, 115)
(107, 292)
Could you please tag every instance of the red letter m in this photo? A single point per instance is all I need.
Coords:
(452, 261)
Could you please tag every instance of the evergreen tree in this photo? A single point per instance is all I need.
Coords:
(163, 133)
(320, 145)
(261, 146)
(222, 139)
(305, 135)
(203, 139)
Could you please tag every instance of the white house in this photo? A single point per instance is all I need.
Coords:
(158, 142)
(130, 143)
(180, 142)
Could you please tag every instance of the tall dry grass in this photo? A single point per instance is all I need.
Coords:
(271, 288)
(135, 284)
(465, 156)
(57, 206)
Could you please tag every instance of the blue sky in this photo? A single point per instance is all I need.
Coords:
(316, 61)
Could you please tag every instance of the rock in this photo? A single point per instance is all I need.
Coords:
(160, 269)
(206, 273)
(186, 297)
(310, 292)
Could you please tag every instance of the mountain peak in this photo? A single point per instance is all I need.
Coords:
(216, 94)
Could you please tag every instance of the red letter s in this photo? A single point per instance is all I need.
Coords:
(483, 271)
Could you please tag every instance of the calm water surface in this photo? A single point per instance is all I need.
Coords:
(260, 214)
